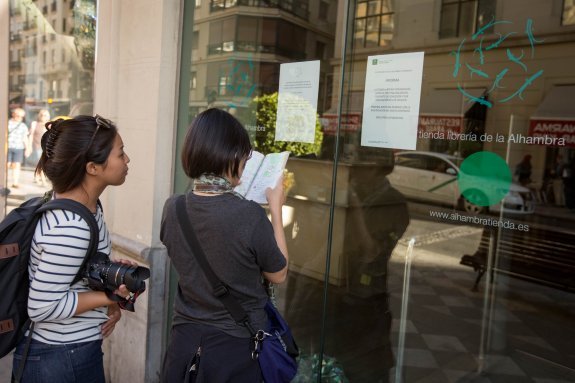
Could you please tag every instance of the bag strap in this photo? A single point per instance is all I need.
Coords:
(86, 214)
(220, 290)
(14, 128)
(16, 378)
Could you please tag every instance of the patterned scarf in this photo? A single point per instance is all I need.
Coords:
(213, 184)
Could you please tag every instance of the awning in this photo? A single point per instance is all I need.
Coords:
(443, 110)
(553, 123)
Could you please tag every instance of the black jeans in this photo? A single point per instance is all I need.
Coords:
(201, 353)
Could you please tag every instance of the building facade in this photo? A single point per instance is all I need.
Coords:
(451, 261)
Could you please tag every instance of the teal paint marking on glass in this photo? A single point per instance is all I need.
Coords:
(532, 40)
(519, 91)
(457, 55)
(476, 71)
(517, 60)
(479, 50)
(499, 41)
(475, 68)
(487, 26)
(498, 79)
(480, 100)
(484, 178)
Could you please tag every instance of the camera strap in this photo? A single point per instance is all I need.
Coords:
(220, 290)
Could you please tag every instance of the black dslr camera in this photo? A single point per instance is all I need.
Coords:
(105, 275)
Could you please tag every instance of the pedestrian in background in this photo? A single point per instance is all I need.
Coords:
(523, 171)
(241, 246)
(37, 129)
(81, 157)
(18, 144)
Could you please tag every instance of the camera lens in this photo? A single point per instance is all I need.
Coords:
(132, 276)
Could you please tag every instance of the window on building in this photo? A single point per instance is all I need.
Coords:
(323, 10)
(291, 40)
(247, 35)
(320, 50)
(568, 17)
(194, 80)
(222, 35)
(465, 17)
(373, 23)
(195, 39)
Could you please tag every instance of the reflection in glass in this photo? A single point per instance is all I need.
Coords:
(51, 71)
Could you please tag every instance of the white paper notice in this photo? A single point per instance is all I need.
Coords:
(297, 101)
(391, 101)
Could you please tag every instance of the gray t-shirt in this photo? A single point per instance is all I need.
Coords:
(239, 243)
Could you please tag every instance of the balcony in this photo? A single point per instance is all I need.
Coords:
(15, 65)
(252, 47)
(296, 8)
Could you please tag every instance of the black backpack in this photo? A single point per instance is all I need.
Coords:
(16, 232)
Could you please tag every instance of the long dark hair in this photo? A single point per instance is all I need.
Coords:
(216, 142)
(69, 144)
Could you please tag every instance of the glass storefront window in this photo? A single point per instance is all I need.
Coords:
(51, 72)
(451, 261)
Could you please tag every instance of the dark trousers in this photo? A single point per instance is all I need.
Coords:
(200, 353)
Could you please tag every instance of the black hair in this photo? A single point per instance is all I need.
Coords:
(216, 143)
(69, 144)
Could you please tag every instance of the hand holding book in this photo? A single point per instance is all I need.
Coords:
(261, 172)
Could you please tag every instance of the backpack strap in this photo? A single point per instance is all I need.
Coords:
(87, 215)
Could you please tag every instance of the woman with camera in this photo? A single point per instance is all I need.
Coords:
(240, 245)
(81, 157)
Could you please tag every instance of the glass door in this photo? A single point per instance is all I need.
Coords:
(430, 220)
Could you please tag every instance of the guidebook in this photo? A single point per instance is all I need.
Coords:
(261, 172)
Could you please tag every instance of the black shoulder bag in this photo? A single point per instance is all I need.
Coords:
(274, 348)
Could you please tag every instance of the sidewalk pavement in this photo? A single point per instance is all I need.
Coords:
(26, 190)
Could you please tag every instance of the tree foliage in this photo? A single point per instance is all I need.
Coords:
(264, 109)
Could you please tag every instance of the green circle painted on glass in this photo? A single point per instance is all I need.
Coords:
(484, 178)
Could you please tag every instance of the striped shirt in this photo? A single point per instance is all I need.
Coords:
(58, 248)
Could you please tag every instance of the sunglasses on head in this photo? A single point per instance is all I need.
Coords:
(100, 122)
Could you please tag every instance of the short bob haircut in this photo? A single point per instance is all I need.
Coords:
(68, 145)
(216, 143)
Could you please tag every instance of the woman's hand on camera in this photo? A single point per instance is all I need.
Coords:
(114, 315)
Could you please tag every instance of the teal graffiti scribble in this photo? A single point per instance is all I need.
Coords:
(476, 71)
(517, 60)
(475, 68)
(457, 55)
(501, 39)
(527, 82)
(498, 79)
(480, 51)
(532, 40)
(239, 85)
(480, 100)
(487, 26)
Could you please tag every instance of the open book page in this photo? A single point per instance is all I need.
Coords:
(268, 174)
(249, 173)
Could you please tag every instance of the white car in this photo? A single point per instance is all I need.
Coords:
(432, 177)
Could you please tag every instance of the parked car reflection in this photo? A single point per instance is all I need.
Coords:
(432, 177)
